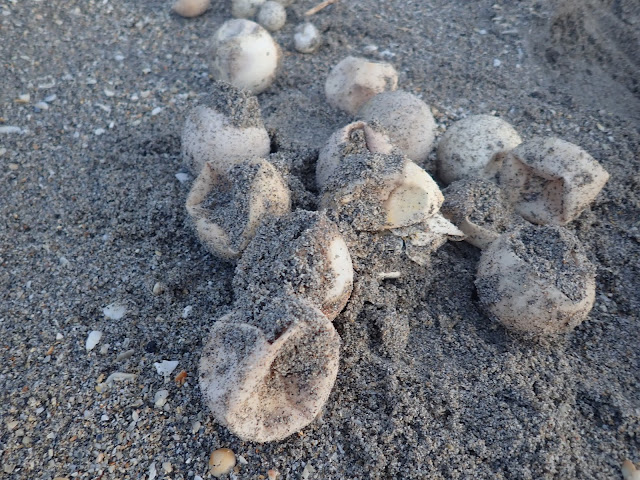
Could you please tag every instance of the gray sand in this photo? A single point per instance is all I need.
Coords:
(93, 214)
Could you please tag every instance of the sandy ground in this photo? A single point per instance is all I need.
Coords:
(92, 214)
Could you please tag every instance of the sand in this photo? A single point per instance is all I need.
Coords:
(428, 387)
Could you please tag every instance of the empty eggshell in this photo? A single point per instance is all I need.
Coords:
(272, 16)
(227, 209)
(266, 376)
(376, 192)
(306, 38)
(536, 280)
(406, 119)
(245, 55)
(302, 254)
(549, 180)
(226, 129)
(354, 80)
(480, 209)
(191, 8)
(355, 137)
(469, 145)
(245, 8)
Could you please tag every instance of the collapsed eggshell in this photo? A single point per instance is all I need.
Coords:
(191, 8)
(354, 80)
(226, 129)
(245, 8)
(536, 280)
(469, 145)
(549, 180)
(407, 120)
(302, 254)
(244, 54)
(353, 138)
(480, 209)
(228, 208)
(272, 16)
(306, 38)
(266, 376)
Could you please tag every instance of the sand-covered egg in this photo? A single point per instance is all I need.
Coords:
(354, 80)
(406, 119)
(245, 55)
(226, 128)
(303, 254)
(537, 280)
(549, 180)
(227, 208)
(266, 375)
(468, 147)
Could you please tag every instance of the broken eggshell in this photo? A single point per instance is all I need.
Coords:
(549, 180)
(406, 119)
(227, 209)
(536, 280)
(226, 129)
(354, 80)
(469, 145)
(245, 55)
(266, 376)
(302, 254)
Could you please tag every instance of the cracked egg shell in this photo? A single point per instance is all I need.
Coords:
(536, 280)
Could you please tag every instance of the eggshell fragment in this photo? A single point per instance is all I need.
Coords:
(406, 119)
(266, 376)
(354, 80)
(302, 254)
(227, 209)
(469, 145)
(191, 8)
(549, 180)
(225, 129)
(245, 55)
(536, 280)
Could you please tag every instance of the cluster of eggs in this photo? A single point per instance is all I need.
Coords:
(270, 363)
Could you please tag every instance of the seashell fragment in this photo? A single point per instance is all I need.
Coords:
(306, 38)
(245, 8)
(549, 180)
(536, 280)
(272, 16)
(226, 129)
(221, 462)
(354, 80)
(245, 55)
(406, 119)
(227, 209)
(469, 145)
(357, 137)
(191, 8)
(268, 375)
(302, 254)
(480, 209)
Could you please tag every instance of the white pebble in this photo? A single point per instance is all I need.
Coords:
(152, 471)
(306, 38)
(160, 398)
(496, 62)
(59, 336)
(272, 16)
(50, 98)
(109, 93)
(183, 177)
(42, 105)
(166, 367)
(187, 311)
(119, 377)
(114, 311)
(156, 111)
(93, 339)
(99, 131)
(10, 129)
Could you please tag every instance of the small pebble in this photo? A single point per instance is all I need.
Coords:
(187, 311)
(158, 288)
(93, 339)
(167, 467)
(24, 98)
(42, 106)
(156, 111)
(152, 471)
(183, 177)
(166, 367)
(10, 129)
(109, 93)
(114, 311)
(125, 355)
(221, 462)
(59, 336)
(98, 131)
(160, 398)
(151, 347)
(195, 428)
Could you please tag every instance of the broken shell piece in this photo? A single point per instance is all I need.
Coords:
(227, 209)
(357, 137)
(245, 8)
(267, 376)
(226, 129)
(306, 38)
(424, 238)
(354, 80)
(302, 253)
(536, 280)
(406, 119)
(469, 145)
(245, 55)
(480, 209)
(550, 181)
(376, 192)
(191, 8)
(272, 16)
